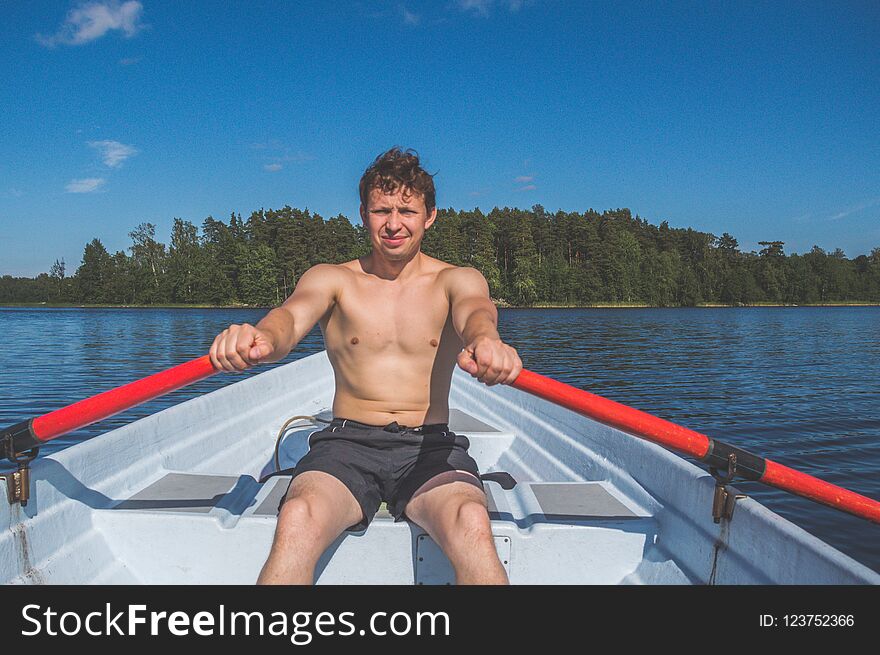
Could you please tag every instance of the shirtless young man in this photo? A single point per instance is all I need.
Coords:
(395, 323)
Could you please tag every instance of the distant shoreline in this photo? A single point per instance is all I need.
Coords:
(500, 305)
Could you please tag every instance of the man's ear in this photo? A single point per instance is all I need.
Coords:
(363, 214)
(431, 218)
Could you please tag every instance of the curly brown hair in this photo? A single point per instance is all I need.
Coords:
(396, 169)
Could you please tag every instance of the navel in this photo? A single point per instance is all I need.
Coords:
(434, 342)
(355, 340)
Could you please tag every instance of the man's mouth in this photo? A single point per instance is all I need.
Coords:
(393, 241)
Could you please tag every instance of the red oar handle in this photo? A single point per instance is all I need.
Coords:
(36, 431)
(711, 451)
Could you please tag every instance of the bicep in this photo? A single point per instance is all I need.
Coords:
(313, 296)
(469, 293)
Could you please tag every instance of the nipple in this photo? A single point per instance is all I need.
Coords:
(355, 340)
(434, 342)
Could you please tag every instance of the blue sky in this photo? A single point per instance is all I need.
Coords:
(758, 119)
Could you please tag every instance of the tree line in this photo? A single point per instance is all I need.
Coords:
(527, 256)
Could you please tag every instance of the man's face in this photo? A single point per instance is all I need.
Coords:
(397, 222)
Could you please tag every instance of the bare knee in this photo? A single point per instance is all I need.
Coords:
(298, 520)
(308, 518)
(462, 526)
(472, 517)
(296, 513)
(317, 501)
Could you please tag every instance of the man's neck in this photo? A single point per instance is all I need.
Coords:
(388, 269)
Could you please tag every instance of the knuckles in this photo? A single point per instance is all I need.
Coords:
(496, 361)
(229, 350)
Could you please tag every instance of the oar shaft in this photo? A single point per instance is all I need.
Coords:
(806, 485)
(690, 442)
(104, 405)
(615, 414)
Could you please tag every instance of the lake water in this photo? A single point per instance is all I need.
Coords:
(800, 386)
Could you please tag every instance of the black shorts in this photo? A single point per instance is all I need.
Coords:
(385, 463)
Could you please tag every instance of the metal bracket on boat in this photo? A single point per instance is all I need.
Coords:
(738, 462)
(724, 501)
(18, 447)
(744, 464)
(18, 482)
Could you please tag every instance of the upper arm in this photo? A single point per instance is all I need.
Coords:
(314, 295)
(468, 292)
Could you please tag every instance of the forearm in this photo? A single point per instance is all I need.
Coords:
(480, 323)
(278, 326)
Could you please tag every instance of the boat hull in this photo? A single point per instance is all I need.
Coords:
(175, 498)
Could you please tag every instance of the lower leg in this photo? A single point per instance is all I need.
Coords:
(296, 548)
(452, 510)
(318, 508)
(472, 551)
(486, 570)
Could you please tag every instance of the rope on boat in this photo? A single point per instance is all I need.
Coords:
(313, 419)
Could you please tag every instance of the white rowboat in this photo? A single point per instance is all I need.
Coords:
(176, 498)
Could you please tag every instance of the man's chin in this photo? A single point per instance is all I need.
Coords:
(395, 254)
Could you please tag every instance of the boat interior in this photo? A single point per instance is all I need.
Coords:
(545, 531)
(188, 496)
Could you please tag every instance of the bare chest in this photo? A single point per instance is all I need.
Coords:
(377, 317)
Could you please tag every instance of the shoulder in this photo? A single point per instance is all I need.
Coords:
(449, 274)
(463, 280)
(327, 272)
(324, 279)
(461, 273)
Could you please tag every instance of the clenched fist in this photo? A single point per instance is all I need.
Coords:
(239, 347)
(491, 361)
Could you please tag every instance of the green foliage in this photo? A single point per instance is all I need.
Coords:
(148, 261)
(526, 256)
(95, 274)
(257, 275)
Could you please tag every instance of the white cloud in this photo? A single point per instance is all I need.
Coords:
(482, 7)
(113, 153)
(86, 185)
(409, 17)
(842, 213)
(527, 187)
(524, 178)
(479, 7)
(854, 209)
(274, 154)
(93, 20)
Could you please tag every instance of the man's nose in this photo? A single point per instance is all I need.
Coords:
(392, 223)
